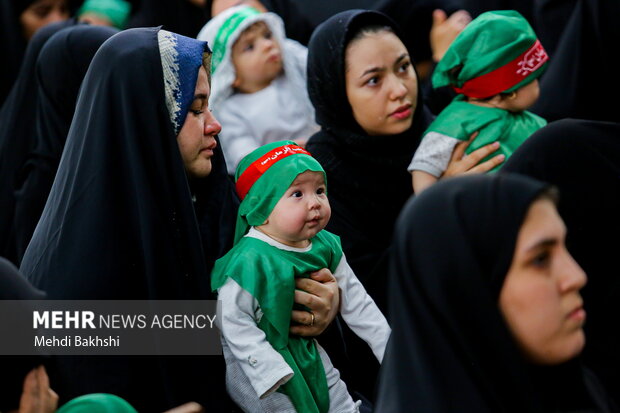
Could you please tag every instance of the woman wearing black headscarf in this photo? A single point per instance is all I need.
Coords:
(582, 158)
(19, 20)
(17, 131)
(60, 68)
(367, 174)
(485, 304)
(372, 118)
(120, 221)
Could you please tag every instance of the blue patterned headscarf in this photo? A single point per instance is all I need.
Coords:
(181, 58)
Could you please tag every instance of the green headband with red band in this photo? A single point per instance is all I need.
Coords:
(497, 52)
(264, 176)
(257, 168)
(506, 77)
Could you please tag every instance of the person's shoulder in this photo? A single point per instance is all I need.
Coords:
(248, 249)
(333, 244)
(539, 120)
(328, 238)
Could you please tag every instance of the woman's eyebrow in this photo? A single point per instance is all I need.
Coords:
(542, 244)
(401, 58)
(372, 70)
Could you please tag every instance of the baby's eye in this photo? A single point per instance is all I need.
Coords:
(320, 191)
(268, 35)
(296, 194)
(248, 47)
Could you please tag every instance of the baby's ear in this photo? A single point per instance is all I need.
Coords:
(236, 83)
(266, 222)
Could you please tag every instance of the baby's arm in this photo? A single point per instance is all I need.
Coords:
(421, 180)
(264, 366)
(431, 159)
(360, 312)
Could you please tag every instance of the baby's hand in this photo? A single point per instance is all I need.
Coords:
(321, 295)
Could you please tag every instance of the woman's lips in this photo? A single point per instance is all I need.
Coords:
(579, 314)
(402, 112)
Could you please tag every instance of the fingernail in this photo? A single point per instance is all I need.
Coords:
(496, 144)
(501, 157)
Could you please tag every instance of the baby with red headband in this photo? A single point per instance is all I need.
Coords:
(280, 236)
(494, 65)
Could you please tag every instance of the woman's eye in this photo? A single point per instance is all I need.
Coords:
(42, 11)
(541, 260)
(372, 81)
(197, 111)
(405, 66)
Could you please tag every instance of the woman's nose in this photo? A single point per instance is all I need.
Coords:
(56, 15)
(573, 276)
(212, 126)
(398, 90)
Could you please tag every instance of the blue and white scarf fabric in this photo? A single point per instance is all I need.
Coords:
(181, 58)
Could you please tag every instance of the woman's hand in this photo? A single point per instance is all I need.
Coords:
(190, 407)
(321, 295)
(37, 396)
(445, 29)
(464, 165)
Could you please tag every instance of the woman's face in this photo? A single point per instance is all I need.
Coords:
(382, 86)
(196, 138)
(540, 297)
(41, 13)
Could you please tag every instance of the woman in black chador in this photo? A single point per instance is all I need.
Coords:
(140, 208)
(486, 305)
(60, 69)
(19, 20)
(17, 130)
(365, 92)
(582, 158)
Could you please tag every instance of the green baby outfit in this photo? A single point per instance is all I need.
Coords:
(496, 53)
(268, 274)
